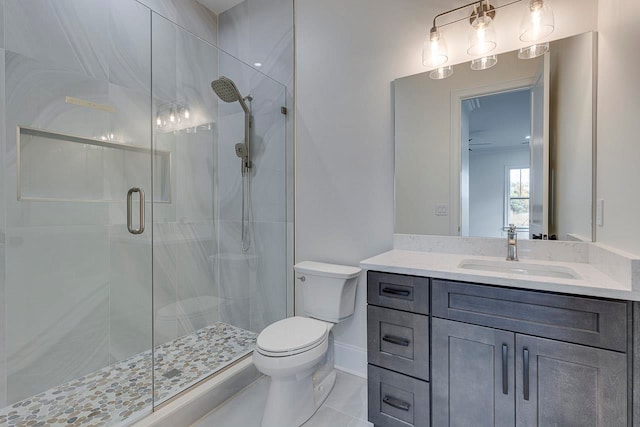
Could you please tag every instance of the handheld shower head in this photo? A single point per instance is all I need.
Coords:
(227, 91)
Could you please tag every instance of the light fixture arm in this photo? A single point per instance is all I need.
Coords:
(475, 3)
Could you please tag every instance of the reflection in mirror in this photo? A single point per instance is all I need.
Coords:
(510, 145)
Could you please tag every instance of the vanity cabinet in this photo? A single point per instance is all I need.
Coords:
(490, 377)
(447, 353)
(518, 357)
(398, 350)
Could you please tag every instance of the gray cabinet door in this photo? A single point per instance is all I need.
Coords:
(472, 375)
(562, 384)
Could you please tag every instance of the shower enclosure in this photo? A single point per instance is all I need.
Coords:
(123, 276)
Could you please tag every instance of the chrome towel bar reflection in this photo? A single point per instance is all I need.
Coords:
(140, 229)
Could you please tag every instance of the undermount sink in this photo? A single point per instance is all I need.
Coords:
(517, 267)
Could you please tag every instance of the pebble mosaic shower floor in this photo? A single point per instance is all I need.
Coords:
(123, 390)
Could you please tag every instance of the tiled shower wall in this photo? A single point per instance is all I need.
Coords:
(75, 288)
(259, 31)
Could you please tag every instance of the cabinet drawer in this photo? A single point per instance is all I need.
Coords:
(408, 293)
(396, 400)
(398, 340)
(589, 321)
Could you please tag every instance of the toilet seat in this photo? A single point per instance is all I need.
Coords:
(291, 336)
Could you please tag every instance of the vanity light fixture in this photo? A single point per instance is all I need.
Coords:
(482, 34)
(537, 23)
(434, 52)
(441, 73)
(484, 63)
(533, 51)
(175, 116)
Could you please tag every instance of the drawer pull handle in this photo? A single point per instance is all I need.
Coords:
(396, 340)
(525, 373)
(399, 292)
(396, 403)
(505, 369)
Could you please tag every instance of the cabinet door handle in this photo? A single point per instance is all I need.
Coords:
(525, 373)
(396, 403)
(392, 291)
(396, 340)
(505, 369)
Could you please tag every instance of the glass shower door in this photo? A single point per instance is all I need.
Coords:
(76, 267)
(215, 287)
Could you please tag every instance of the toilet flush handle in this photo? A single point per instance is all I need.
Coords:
(302, 278)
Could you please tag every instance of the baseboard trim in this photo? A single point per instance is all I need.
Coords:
(350, 359)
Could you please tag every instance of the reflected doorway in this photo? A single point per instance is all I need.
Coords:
(496, 163)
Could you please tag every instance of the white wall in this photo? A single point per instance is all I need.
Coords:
(618, 174)
(571, 121)
(487, 175)
(347, 54)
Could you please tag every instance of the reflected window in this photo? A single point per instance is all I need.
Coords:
(517, 200)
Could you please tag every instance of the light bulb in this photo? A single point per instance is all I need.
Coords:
(172, 116)
(158, 120)
(537, 22)
(434, 52)
(482, 36)
(186, 114)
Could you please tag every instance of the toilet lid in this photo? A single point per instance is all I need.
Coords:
(293, 333)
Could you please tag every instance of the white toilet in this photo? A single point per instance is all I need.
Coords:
(297, 353)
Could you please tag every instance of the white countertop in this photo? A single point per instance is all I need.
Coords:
(592, 282)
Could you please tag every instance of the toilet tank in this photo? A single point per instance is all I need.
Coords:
(328, 290)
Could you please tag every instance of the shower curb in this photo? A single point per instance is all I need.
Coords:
(203, 398)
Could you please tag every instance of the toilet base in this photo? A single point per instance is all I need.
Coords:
(292, 401)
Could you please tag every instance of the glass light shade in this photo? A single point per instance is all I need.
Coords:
(537, 22)
(434, 52)
(441, 73)
(533, 51)
(482, 36)
(484, 63)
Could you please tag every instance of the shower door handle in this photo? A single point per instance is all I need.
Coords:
(140, 228)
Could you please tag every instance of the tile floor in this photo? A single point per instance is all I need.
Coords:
(346, 406)
(123, 390)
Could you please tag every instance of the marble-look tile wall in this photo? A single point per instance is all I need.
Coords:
(75, 287)
(185, 288)
(252, 283)
(259, 31)
(188, 14)
(61, 296)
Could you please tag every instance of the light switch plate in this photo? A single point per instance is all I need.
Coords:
(442, 210)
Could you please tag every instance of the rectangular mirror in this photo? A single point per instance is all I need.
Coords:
(509, 145)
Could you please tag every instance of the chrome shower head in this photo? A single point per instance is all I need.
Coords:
(227, 91)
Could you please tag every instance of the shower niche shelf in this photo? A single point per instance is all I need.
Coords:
(53, 166)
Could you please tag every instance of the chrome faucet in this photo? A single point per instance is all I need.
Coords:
(512, 243)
